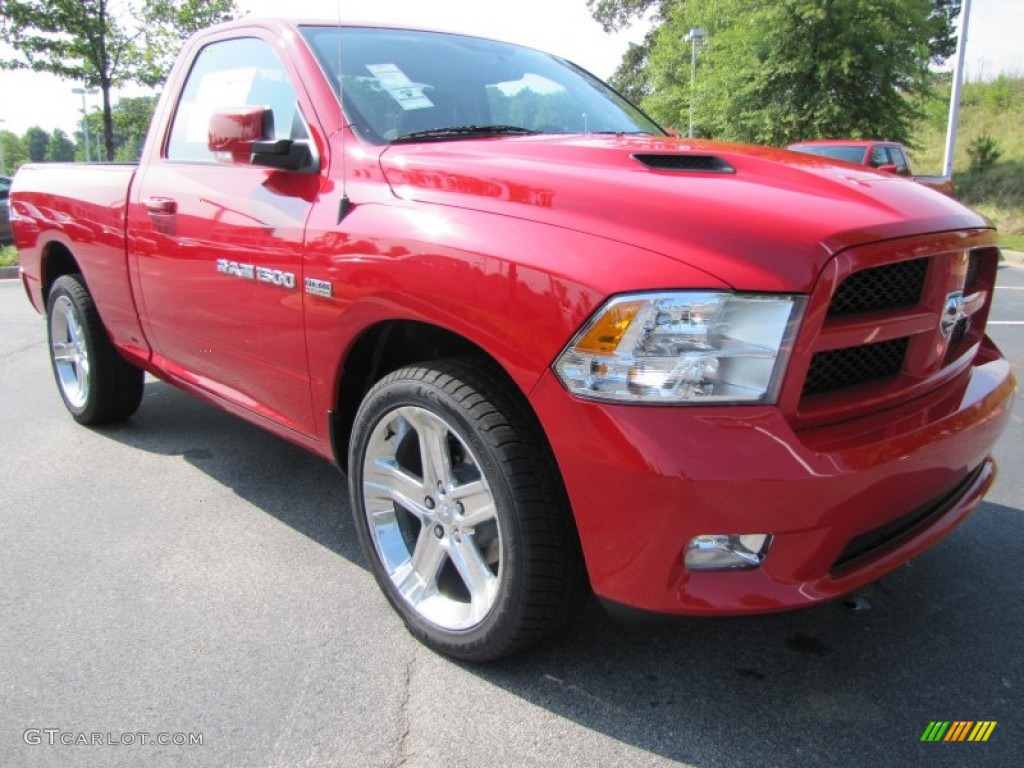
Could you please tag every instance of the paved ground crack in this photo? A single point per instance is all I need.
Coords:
(405, 716)
(14, 352)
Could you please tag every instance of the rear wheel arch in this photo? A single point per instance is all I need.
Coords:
(56, 262)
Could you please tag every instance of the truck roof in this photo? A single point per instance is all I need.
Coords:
(842, 142)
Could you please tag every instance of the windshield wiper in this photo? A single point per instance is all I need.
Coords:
(463, 132)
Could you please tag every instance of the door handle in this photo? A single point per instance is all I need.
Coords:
(160, 205)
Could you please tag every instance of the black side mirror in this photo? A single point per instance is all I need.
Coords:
(284, 155)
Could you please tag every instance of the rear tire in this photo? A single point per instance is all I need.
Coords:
(97, 384)
(460, 511)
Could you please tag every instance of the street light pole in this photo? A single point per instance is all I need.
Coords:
(954, 97)
(694, 36)
(85, 122)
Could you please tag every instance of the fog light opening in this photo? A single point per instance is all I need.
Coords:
(727, 552)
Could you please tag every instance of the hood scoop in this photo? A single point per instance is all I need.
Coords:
(685, 163)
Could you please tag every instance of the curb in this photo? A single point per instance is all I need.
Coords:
(10, 273)
(1013, 258)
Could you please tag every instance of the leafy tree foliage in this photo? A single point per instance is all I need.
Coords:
(787, 70)
(168, 24)
(76, 39)
(614, 15)
(528, 107)
(61, 149)
(36, 140)
(632, 77)
(14, 152)
(942, 19)
(131, 117)
(101, 43)
(984, 152)
(776, 71)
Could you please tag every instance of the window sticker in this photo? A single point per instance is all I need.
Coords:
(408, 94)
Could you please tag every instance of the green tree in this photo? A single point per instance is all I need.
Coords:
(130, 117)
(632, 77)
(168, 23)
(94, 120)
(36, 141)
(942, 19)
(102, 43)
(614, 15)
(79, 40)
(14, 153)
(781, 71)
(60, 149)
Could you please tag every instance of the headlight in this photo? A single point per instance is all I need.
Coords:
(683, 348)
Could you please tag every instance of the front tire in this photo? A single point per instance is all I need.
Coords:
(460, 511)
(95, 382)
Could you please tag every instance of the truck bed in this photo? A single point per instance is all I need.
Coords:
(82, 208)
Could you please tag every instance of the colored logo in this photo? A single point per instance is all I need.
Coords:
(958, 730)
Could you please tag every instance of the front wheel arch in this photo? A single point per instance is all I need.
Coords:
(384, 348)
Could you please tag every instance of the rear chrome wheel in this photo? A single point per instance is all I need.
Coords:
(70, 352)
(95, 382)
(460, 511)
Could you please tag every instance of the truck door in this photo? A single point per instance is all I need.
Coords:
(900, 161)
(218, 244)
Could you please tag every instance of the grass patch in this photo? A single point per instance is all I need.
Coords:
(1011, 242)
(8, 256)
(991, 111)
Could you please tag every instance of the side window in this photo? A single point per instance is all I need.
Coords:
(879, 157)
(232, 73)
(899, 161)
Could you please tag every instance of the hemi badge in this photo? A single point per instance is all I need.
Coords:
(319, 287)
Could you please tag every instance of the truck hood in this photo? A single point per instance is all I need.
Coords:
(754, 217)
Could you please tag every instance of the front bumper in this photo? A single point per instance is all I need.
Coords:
(845, 503)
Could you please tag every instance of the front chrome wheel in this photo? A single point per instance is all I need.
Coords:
(460, 510)
(431, 515)
(70, 352)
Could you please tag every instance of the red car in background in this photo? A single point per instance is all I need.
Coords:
(886, 156)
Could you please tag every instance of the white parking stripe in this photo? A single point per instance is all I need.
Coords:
(1005, 322)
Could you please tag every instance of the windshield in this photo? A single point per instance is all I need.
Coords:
(853, 155)
(410, 84)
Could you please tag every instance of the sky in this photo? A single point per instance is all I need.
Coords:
(562, 27)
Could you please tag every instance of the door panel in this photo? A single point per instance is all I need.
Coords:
(218, 244)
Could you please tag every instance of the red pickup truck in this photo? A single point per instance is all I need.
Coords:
(552, 347)
(886, 156)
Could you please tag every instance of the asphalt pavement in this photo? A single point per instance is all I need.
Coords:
(187, 577)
